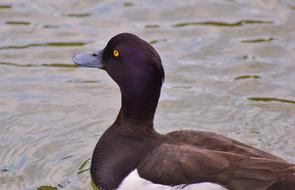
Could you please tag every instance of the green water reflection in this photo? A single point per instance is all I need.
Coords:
(44, 65)
(258, 40)
(83, 166)
(17, 23)
(45, 187)
(78, 14)
(268, 99)
(5, 6)
(223, 24)
(247, 77)
(52, 44)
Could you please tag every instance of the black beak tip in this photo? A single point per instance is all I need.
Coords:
(74, 59)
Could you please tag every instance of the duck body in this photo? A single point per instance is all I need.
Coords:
(181, 159)
(172, 161)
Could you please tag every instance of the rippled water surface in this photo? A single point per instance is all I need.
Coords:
(229, 66)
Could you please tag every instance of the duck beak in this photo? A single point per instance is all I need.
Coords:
(89, 59)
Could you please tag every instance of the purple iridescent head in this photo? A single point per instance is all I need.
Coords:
(127, 59)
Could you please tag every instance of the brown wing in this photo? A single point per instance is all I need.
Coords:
(184, 164)
(213, 141)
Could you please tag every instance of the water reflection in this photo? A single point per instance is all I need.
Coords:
(247, 77)
(5, 6)
(223, 24)
(83, 166)
(152, 26)
(17, 23)
(44, 65)
(78, 14)
(258, 40)
(268, 99)
(47, 188)
(52, 44)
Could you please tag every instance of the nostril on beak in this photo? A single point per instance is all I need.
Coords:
(94, 54)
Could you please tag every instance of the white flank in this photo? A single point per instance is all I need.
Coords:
(134, 182)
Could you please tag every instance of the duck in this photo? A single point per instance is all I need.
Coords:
(131, 148)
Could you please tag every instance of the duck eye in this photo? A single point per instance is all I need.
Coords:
(116, 53)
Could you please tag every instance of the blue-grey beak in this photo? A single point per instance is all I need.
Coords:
(89, 59)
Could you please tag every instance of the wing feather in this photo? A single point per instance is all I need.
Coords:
(185, 164)
(213, 141)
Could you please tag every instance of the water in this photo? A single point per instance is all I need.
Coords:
(229, 69)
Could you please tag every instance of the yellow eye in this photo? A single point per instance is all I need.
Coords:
(116, 53)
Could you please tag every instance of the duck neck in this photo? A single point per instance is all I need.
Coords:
(139, 102)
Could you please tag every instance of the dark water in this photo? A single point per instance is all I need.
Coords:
(229, 64)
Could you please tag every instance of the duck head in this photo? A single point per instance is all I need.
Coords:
(136, 67)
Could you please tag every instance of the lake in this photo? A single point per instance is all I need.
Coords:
(229, 68)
